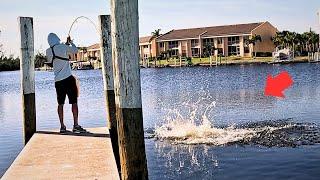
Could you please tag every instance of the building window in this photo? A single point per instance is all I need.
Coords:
(174, 52)
(220, 51)
(233, 40)
(161, 45)
(219, 40)
(195, 52)
(234, 46)
(194, 42)
(173, 44)
(209, 40)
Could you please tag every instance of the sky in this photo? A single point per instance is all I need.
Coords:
(57, 16)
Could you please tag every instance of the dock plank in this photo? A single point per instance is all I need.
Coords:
(50, 155)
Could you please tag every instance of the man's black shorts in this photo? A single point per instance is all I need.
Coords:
(68, 87)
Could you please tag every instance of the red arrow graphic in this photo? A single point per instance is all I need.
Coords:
(276, 85)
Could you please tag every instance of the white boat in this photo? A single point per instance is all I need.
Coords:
(282, 55)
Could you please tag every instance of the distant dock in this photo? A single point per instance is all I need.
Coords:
(51, 155)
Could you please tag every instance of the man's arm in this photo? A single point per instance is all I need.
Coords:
(49, 55)
(72, 49)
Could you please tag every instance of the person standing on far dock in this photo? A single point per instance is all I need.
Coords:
(65, 82)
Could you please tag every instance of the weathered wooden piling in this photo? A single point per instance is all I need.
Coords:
(175, 62)
(27, 77)
(216, 56)
(125, 52)
(108, 82)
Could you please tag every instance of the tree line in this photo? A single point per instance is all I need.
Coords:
(11, 63)
(302, 43)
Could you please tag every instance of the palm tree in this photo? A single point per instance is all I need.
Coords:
(155, 33)
(292, 38)
(307, 41)
(278, 39)
(312, 40)
(253, 40)
(208, 49)
(299, 41)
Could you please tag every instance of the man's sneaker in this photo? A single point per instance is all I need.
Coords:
(63, 129)
(78, 129)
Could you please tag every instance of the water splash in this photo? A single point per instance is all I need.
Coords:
(195, 127)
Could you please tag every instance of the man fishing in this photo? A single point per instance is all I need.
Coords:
(65, 82)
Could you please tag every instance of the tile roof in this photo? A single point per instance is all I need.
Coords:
(210, 31)
(145, 39)
(94, 46)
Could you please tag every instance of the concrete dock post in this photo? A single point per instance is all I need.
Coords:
(125, 52)
(27, 77)
(108, 82)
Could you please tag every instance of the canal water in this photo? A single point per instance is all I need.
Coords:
(200, 123)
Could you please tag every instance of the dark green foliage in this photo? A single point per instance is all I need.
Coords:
(9, 63)
(156, 33)
(305, 42)
(13, 63)
(208, 50)
(39, 60)
(188, 61)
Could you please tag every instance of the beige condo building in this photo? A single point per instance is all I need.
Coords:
(229, 40)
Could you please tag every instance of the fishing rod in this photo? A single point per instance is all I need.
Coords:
(82, 17)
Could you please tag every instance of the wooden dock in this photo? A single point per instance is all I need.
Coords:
(51, 155)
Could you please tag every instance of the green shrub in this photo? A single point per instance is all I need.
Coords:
(189, 61)
(9, 63)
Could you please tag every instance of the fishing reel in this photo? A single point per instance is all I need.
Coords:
(69, 41)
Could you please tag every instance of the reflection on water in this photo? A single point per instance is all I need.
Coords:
(167, 161)
(190, 160)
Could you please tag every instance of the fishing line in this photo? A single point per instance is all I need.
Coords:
(82, 17)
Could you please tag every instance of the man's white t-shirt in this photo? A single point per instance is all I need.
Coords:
(61, 68)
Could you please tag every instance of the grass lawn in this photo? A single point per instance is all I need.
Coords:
(224, 60)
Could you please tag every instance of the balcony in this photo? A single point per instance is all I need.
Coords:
(173, 46)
